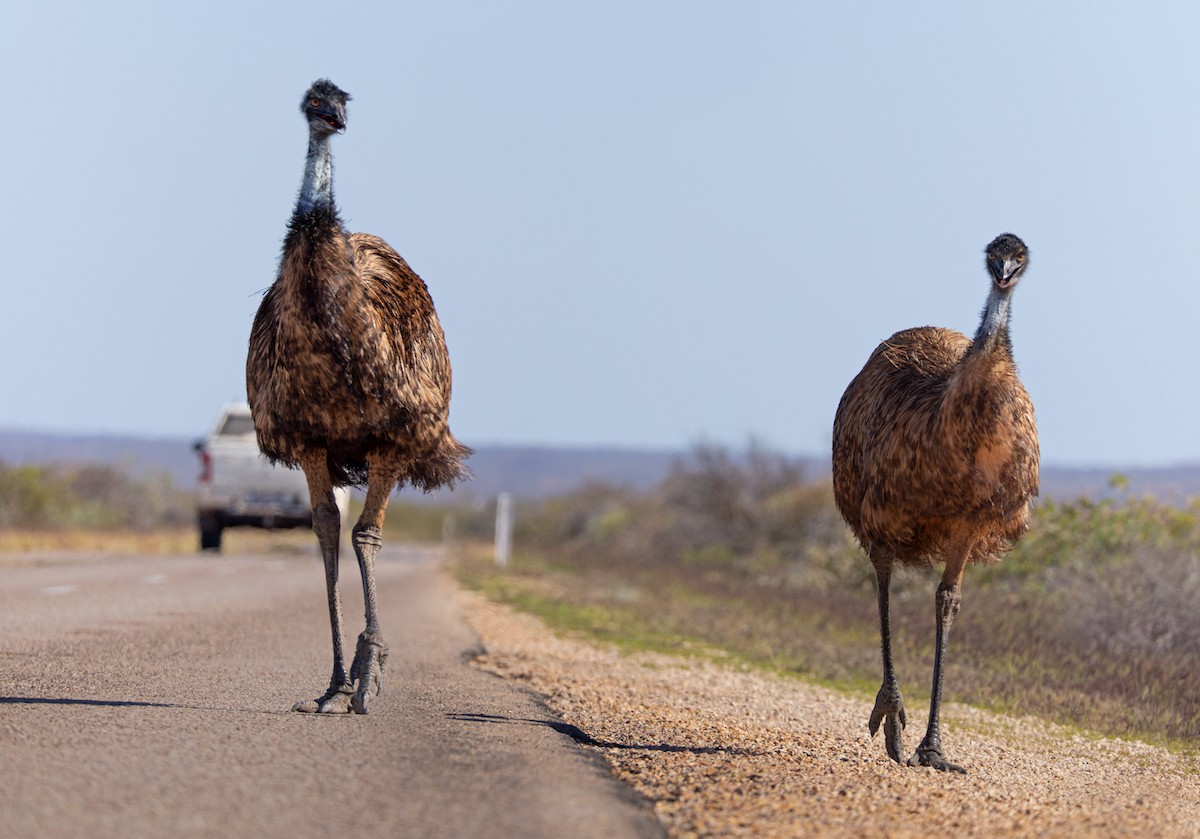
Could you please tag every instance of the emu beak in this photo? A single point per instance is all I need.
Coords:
(330, 117)
(1005, 271)
(1008, 275)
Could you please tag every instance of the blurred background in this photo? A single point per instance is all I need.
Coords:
(644, 225)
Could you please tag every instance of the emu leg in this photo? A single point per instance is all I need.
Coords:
(947, 600)
(889, 706)
(371, 651)
(327, 524)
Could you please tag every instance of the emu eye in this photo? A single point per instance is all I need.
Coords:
(314, 102)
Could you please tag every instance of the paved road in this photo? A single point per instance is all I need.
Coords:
(148, 697)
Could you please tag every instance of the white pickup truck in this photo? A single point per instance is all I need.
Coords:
(238, 486)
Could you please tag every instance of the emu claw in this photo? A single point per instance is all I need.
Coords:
(889, 709)
(370, 656)
(932, 756)
(336, 700)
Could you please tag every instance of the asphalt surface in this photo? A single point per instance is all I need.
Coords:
(145, 696)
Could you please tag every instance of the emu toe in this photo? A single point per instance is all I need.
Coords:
(336, 700)
(370, 656)
(889, 709)
(931, 755)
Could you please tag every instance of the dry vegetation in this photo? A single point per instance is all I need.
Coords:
(1092, 621)
(91, 497)
(60, 508)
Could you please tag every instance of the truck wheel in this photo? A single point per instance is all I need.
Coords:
(210, 531)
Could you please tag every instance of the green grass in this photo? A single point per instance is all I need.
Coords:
(621, 626)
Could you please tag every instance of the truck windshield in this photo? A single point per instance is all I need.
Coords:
(237, 424)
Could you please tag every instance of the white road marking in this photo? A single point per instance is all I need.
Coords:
(154, 579)
(66, 588)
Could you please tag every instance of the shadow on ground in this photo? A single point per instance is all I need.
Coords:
(580, 736)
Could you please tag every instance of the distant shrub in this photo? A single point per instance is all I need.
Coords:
(750, 513)
(1148, 603)
(60, 497)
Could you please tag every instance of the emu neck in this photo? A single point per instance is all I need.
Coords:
(993, 326)
(317, 189)
(984, 373)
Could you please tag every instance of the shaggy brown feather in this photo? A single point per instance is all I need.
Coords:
(347, 354)
(930, 438)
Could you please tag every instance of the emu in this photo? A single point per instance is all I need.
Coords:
(348, 378)
(935, 458)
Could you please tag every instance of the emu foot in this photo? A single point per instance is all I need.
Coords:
(931, 755)
(370, 656)
(336, 700)
(889, 709)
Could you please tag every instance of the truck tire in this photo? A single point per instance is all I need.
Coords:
(210, 531)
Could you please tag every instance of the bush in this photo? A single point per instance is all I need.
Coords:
(752, 514)
(89, 497)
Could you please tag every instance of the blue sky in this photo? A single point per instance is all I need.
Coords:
(643, 224)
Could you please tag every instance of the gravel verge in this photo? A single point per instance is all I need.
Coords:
(724, 751)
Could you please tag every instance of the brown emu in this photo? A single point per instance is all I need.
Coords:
(348, 378)
(935, 458)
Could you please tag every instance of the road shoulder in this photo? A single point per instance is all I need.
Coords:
(724, 751)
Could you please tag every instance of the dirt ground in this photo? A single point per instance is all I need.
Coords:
(721, 751)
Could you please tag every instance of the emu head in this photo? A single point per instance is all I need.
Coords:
(1007, 258)
(325, 107)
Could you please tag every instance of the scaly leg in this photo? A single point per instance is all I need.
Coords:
(371, 652)
(947, 600)
(889, 706)
(327, 524)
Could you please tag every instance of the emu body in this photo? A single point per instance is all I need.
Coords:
(935, 459)
(348, 377)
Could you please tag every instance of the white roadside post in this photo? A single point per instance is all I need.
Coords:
(504, 523)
